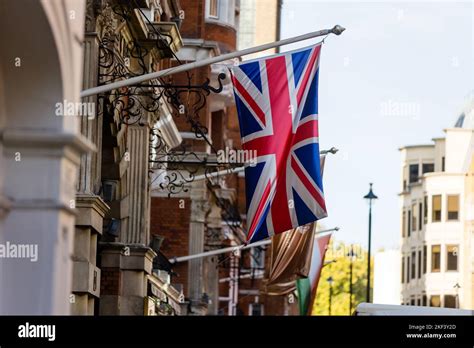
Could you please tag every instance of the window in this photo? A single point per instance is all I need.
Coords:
(224, 12)
(425, 301)
(443, 164)
(413, 217)
(453, 207)
(418, 302)
(435, 258)
(427, 168)
(425, 259)
(435, 301)
(409, 223)
(256, 309)
(214, 8)
(216, 130)
(408, 269)
(403, 269)
(257, 258)
(450, 301)
(436, 208)
(419, 263)
(420, 214)
(452, 258)
(413, 170)
(425, 209)
(412, 302)
(404, 226)
(413, 265)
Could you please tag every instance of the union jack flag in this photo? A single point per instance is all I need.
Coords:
(277, 105)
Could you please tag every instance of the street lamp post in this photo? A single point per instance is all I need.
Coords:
(351, 255)
(370, 197)
(330, 282)
(456, 288)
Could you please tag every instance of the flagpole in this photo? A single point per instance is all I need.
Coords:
(337, 30)
(229, 171)
(234, 248)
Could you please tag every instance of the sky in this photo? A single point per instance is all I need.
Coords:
(397, 76)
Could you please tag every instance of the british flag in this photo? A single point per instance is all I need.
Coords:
(277, 104)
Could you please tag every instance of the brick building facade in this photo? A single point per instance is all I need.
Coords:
(210, 215)
(113, 257)
(129, 231)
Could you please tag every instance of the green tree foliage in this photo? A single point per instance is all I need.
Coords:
(339, 271)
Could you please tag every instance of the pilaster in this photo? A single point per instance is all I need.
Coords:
(125, 268)
(199, 209)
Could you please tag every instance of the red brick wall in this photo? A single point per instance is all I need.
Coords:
(170, 219)
(195, 26)
(224, 35)
(193, 23)
(275, 305)
(166, 217)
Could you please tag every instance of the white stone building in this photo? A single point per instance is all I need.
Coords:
(437, 207)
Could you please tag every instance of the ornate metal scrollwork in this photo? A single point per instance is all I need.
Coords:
(175, 168)
(175, 95)
(179, 165)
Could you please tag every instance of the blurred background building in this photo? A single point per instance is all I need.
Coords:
(259, 23)
(207, 215)
(201, 216)
(437, 218)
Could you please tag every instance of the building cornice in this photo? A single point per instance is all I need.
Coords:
(21, 139)
(458, 129)
(415, 146)
(437, 174)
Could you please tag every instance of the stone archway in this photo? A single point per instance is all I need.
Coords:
(40, 66)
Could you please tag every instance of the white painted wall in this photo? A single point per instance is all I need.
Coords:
(387, 275)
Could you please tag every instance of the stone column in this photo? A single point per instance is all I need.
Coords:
(41, 217)
(41, 150)
(139, 196)
(199, 210)
(5, 203)
(126, 264)
(91, 125)
(213, 240)
(91, 208)
(86, 275)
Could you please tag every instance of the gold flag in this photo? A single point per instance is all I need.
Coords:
(290, 259)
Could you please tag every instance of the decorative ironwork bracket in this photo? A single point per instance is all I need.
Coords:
(122, 56)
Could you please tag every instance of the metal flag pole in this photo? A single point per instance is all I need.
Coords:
(261, 273)
(235, 170)
(234, 248)
(337, 30)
